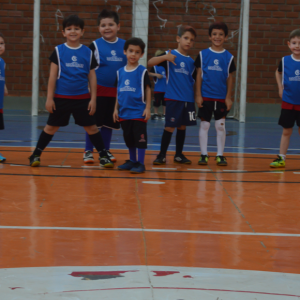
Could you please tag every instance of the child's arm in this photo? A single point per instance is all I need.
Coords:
(116, 111)
(93, 90)
(159, 76)
(197, 87)
(50, 105)
(5, 91)
(147, 112)
(228, 101)
(154, 61)
(278, 76)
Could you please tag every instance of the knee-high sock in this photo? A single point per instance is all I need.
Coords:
(221, 135)
(141, 156)
(180, 137)
(203, 136)
(165, 142)
(88, 144)
(106, 136)
(42, 143)
(97, 141)
(132, 154)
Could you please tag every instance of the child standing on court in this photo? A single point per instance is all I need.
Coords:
(288, 81)
(159, 77)
(133, 103)
(215, 66)
(109, 53)
(72, 68)
(3, 89)
(179, 97)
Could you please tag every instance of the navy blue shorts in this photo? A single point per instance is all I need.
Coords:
(180, 113)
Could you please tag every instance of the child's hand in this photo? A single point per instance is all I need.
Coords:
(50, 105)
(147, 114)
(199, 101)
(171, 57)
(159, 76)
(116, 116)
(92, 107)
(228, 103)
(5, 91)
(280, 92)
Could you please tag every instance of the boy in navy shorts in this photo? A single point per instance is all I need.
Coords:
(179, 96)
(3, 89)
(72, 68)
(133, 103)
(288, 81)
(215, 66)
(109, 54)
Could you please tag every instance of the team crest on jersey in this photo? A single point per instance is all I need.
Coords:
(182, 69)
(127, 87)
(114, 56)
(163, 73)
(297, 77)
(74, 64)
(216, 66)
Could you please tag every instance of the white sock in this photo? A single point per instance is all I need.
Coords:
(282, 156)
(203, 136)
(221, 136)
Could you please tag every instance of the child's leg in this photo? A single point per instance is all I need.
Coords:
(285, 141)
(165, 140)
(88, 144)
(132, 154)
(180, 138)
(221, 136)
(141, 156)
(96, 139)
(203, 136)
(155, 110)
(106, 136)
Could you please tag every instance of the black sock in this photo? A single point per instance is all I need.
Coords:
(165, 142)
(98, 143)
(180, 137)
(42, 143)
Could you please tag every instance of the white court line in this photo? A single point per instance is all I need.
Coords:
(153, 182)
(90, 166)
(164, 168)
(242, 171)
(297, 173)
(200, 170)
(59, 166)
(12, 165)
(152, 230)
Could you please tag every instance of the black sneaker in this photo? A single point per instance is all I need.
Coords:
(154, 117)
(160, 160)
(34, 161)
(203, 160)
(221, 160)
(181, 159)
(105, 162)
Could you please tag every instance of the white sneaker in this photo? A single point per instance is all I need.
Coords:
(88, 157)
(111, 157)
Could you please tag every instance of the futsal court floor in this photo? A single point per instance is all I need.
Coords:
(176, 232)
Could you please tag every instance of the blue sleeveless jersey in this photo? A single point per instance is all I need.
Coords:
(73, 70)
(180, 82)
(160, 84)
(291, 80)
(2, 81)
(110, 57)
(215, 71)
(131, 96)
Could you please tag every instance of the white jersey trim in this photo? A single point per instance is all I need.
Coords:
(130, 70)
(143, 92)
(298, 60)
(155, 79)
(91, 59)
(232, 57)
(201, 64)
(181, 53)
(58, 59)
(97, 54)
(73, 47)
(111, 42)
(218, 52)
(283, 72)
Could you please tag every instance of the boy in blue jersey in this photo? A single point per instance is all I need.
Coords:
(288, 81)
(3, 89)
(215, 66)
(133, 103)
(179, 96)
(72, 69)
(110, 56)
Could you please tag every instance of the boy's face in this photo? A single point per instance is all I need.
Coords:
(217, 37)
(133, 54)
(294, 45)
(73, 33)
(186, 41)
(2, 45)
(108, 29)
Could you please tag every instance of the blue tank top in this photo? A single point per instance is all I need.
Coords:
(180, 82)
(110, 57)
(160, 84)
(2, 81)
(291, 80)
(73, 70)
(215, 71)
(131, 96)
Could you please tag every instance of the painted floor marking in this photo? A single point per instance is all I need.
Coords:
(12, 165)
(90, 166)
(200, 170)
(297, 173)
(240, 171)
(164, 168)
(152, 230)
(153, 182)
(59, 166)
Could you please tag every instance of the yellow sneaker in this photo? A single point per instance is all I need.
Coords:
(278, 163)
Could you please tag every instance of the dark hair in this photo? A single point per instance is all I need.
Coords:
(183, 29)
(1, 35)
(218, 25)
(73, 20)
(294, 33)
(105, 13)
(135, 42)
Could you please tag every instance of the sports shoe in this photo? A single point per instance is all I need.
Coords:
(138, 168)
(111, 157)
(154, 117)
(128, 165)
(203, 160)
(105, 162)
(181, 159)
(278, 163)
(34, 161)
(163, 117)
(88, 157)
(160, 160)
(221, 160)
(2, 158)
